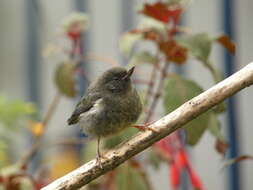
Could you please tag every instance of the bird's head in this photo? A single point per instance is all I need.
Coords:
(116, 80)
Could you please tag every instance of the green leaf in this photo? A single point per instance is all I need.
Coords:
(129, 178)
(90, 150)
(199, 45)
(13, 111)
(214, 126)
(154, 158)
(26, 183)
(142, 57)
(114, 140)
(153, 24)
(65, 78)
(127, 42)
(220, 108)
(178, 90)
(10, 170)
(3, 154)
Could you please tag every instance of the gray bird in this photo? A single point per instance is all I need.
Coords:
(110, 105)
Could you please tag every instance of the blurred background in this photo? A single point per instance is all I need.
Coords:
(28, 26)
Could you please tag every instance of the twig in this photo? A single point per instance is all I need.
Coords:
(165, 126)
(215, 74)
(52, 107)
(151, 84)
(156, 67)
(141, 81)
(109, 60)
(158, 93)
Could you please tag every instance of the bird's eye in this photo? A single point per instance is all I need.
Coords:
(115, 78)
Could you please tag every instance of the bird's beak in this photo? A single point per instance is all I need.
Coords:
(129, 73)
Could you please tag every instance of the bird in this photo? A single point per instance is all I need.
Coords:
(110, 105)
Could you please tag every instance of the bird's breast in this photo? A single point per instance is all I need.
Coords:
(111, 115)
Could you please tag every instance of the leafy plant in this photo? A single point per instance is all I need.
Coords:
(12, 112)
(160, 26)
(168, 43)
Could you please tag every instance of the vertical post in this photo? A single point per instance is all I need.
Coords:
(180, 69)
(81, 6)
(232, 120)
(126, 19)
(32, 50)
(33, 60)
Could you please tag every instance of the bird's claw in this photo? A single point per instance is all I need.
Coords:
(145, 127)
(98, 160)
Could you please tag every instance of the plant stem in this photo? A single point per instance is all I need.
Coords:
(151, 84)
(215, 74)
(143, 173)
(50, 112)
(158, 92)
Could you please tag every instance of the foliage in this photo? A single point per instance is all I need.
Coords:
(159, 27)
(14, 116)
(64, 79)
(184, 90)
(12, 112)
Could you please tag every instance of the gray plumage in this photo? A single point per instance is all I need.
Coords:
(110, 105)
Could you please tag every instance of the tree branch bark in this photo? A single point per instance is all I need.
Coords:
(164, 127)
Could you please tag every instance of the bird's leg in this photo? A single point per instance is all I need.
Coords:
(144, 127)
(99, 155)
(98, 158)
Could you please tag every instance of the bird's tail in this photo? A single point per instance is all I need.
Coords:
(73, 120)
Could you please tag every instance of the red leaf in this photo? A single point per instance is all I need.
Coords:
(243, 157)
(12, 182)
(221, 146)
(39, 186)
(163, 12)
(174, 175)
(174, 52)
(238, 159)
(175, 14)
(135, 164)
(225, 41)
(152, 35)
(157, 11)
(1, 179)
(74, 35)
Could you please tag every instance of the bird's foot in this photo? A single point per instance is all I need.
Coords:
(98, 160)
(145, 127)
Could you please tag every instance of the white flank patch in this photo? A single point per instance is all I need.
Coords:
(95, 108)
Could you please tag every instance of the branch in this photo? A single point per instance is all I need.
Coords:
(164, 127)
(35, 147)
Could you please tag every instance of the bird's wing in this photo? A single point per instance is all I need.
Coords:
(84, 105)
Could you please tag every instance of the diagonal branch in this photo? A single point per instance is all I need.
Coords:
(164, 127)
